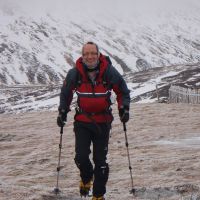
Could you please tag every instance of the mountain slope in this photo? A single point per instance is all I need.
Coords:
(41, 47)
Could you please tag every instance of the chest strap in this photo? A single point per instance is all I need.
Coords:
(81, 111)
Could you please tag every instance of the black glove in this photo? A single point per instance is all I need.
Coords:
(62, 117)
(124, 114)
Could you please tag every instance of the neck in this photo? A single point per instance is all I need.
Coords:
(92, 75)
(92, 68)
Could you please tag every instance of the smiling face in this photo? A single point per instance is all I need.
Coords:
(90, 55)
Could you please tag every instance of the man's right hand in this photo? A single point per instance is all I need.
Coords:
(62, 118)
(124, 114)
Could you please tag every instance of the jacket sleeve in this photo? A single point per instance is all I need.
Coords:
(67, 90)
(120, 88)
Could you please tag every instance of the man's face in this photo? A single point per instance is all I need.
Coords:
(90, 55)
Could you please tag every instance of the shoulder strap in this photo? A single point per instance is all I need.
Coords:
(105, 79)
(78, 79)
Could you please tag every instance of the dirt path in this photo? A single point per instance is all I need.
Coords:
(164, 144)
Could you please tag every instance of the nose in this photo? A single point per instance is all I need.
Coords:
(90, 56)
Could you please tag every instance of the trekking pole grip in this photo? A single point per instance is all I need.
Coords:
(61, 130)
(126, 139)
(124, 125)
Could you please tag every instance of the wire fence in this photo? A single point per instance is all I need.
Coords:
(179, 94)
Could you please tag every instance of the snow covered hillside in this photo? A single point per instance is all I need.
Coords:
(164, 148)
(40, 40)
(20, 98)
(150, 42)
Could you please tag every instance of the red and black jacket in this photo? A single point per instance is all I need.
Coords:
(93, 98)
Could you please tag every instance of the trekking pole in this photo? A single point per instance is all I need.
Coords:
(56, 189)
(129, 160)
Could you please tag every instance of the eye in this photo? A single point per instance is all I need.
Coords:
(90, 53)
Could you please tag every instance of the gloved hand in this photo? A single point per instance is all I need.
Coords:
(124, 114)
(62, 117)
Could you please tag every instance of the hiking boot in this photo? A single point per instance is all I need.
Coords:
(85, 188)
(98, 198)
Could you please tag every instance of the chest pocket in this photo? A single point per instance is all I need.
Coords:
(93, 98)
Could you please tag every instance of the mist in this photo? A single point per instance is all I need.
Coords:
(66, 9)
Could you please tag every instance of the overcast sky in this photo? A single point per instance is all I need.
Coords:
(92, 7)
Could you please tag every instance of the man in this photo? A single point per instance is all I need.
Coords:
(92, 79)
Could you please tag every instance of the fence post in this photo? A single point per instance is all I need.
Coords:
(157, 93)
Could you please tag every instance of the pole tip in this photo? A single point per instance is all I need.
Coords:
(132, 191)
(56, 190)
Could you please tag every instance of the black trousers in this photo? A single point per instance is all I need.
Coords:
(98, 134)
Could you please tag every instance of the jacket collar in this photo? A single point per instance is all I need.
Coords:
(103, 64)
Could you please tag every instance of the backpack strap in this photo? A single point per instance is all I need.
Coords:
(78, 79)
(105, 79)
